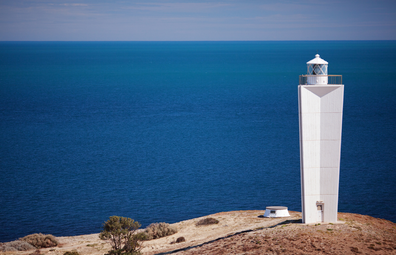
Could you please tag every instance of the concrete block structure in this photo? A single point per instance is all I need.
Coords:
(276, 212)
(320, 115)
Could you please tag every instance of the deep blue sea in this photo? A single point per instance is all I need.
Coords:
(169, 131)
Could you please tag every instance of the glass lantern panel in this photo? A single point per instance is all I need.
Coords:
(317, 69)
(324, 69)
(310, 69)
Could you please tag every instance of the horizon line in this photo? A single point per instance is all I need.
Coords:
(297, 40)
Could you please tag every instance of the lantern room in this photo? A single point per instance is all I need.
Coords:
(317, 71)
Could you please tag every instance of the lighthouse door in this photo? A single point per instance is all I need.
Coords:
(320, 212)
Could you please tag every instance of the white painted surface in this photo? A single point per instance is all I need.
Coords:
(317, 79)
(317, 70)
(276, 211)
(320, 114)
(317, 60)
(320, 215)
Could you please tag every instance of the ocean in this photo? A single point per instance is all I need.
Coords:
(169, 131)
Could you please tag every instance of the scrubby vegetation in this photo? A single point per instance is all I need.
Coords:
(71, 253)
(180, 239)
(158, 230)
(207, 221)
(30, 242)
(40, 240)
(120, 232)
(16, 246)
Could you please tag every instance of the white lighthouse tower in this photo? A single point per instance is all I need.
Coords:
(320, 102)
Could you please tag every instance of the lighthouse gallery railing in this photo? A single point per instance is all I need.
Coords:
(332, 79)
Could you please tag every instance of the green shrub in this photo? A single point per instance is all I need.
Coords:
(142, 236)
(158, 230)
(16, 246)
(120, 231)
(207, 221)
(40, 240)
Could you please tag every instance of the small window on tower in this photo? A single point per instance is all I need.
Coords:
(319, 207)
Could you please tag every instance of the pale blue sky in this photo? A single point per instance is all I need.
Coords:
(193, 20)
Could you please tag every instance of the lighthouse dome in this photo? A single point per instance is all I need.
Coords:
(317, 60)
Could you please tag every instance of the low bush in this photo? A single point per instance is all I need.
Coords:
(71, 253)
(16, 246)
(207, 221)
(7, 248)
(158, 230)
(40, 240)
(180, 239)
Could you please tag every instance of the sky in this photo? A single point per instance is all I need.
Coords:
(193, 20)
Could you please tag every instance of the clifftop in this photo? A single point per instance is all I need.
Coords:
(247, 232)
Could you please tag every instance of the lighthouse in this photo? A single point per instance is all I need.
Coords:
(320, 103)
